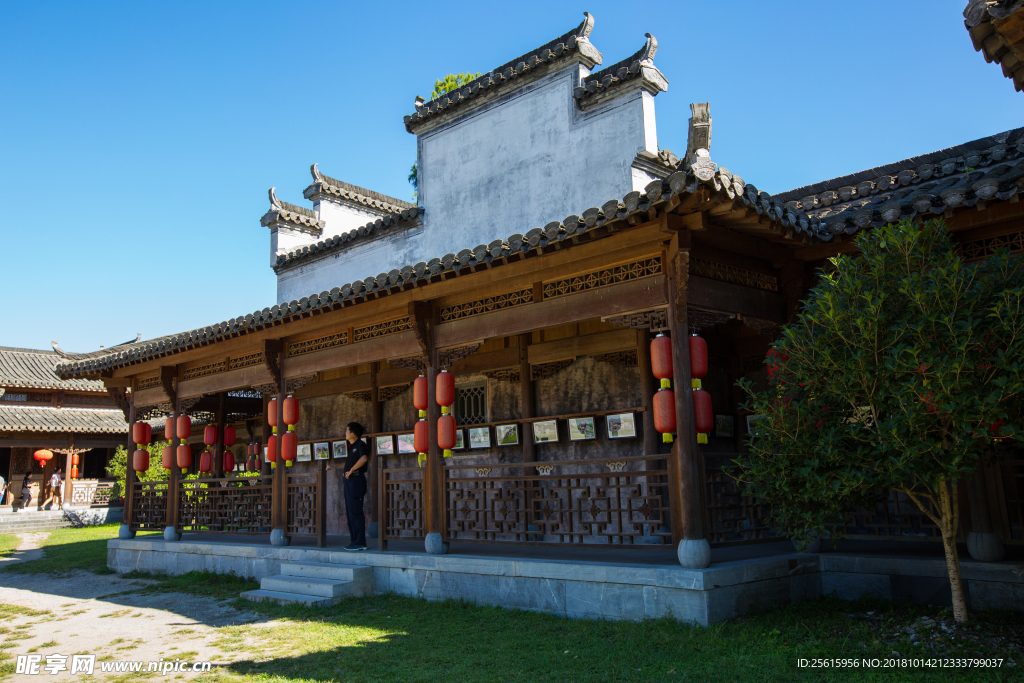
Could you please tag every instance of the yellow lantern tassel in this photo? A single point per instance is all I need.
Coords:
(666, 383)
(667, 438)
(287, 463)
(273, 465)
(423, 414)
(273, 430)
(695, 383)
(291, 428)
(444, 410)
(702, 438)
(447, 453)
(184, 470)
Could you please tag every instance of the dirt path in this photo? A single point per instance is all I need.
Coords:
(28, 548)
(112, 618)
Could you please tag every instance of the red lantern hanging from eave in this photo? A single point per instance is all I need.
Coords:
(229, 435)
(43, 455)
(74, 473)
(421, 437)
(419, 395)
(140, 460)
(229, 461)
(210, 435)
(291, 411)
(703, 415)
(184, 427)
(698, 360)
(169, 432)
(446, 434)
(184, 458)
(206, 462)
(272, 450)
(661, 360)
(168, 458)
(289, 447)
(141, 433)
(665, 414)
(258, 465)
(445, 392)
(74, 460)
(272, 412)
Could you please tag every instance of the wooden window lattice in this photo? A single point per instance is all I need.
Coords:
(604, 277)
(14, 398)
(383, 329)
(985, 247)
(319, 344)
(739, 276)
(491, 303)
(471, 404)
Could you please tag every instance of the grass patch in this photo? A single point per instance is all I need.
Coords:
(8, 544)
(392, 638)
(209, 584)
(67, 549)
(12, 611)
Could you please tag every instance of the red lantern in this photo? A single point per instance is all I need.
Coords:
(74, 473)
(272, 412)
(184, 458)
(272, 450)
(141, 433)
(229, 435)
(74, 460)
(289, 447)
(42, 456)
(698, 359)
(206, 461)
(291, 411)
(229, 461)
(169, 428)
(140, 460)
(419, 393)
(703, 415)
(258, 465)
(210, 435)
(665, 414)
(184, 427)
(661, 357)
(446, 434)
(168, 458)
(421, 438)
(445, 388)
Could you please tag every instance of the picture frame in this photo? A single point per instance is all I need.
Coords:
(385, 445)
(406, 443)
(480, 437)
(506, 435)
(322, 450)
(339, 449)
(725, 426)
(304, 453)
(460, 443)
(752, 421)
(582, 429)
(545, 431)
(621, 426)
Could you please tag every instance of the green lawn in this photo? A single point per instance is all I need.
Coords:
(8, 544)
(67, 549)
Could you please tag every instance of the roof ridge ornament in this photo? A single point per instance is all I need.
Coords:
(583, 32)
(650, 49)
(275, 203)
(318, 177)
(699, 136)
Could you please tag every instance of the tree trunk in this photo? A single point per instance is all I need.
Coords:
(948, 509)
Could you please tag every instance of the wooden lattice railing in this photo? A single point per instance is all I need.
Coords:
(148, 506)
(306, 501)
(400, 511)
(228, 505)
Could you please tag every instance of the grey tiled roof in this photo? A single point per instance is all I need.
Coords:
(639, 65)
(997, 31)
(719, 182)
(576, 40)
(14, 418)
(290, 213)
(35, 369)
(988, 169)
(332, 187)
(340, 241)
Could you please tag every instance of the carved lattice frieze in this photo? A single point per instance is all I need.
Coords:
(699, 318)
(203, 370)
(246, 361)
(319, 344)
(604, 277)
(734, 274)
(383, 329)
(985, 247)
(486, 305)
(296, 383)
(627, 358)
(505, 375)
(448, 356)
(149, 382)
(656, 320)
(545, 370)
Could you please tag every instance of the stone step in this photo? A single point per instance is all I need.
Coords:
(327, 570)
(304, 585)
(282, 598)
(28, 529)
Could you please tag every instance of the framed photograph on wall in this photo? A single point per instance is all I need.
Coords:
(406, 443)
(385, 445)
(304, 453)
(506, 435)
(621, 426)
(460, 443)
(321, 450)
(581, 429)
(545, 431)
(752, 421)
(339, 449)
(725, 425)
(480, 437)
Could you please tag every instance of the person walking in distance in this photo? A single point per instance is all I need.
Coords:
(26, 491)
(355, 485)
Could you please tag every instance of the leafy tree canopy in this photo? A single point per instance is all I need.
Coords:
(441, 86)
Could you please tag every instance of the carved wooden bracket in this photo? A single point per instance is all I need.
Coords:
(296, 383)
(168, 375)
(448, 356)
(422, 314)
(655, 319)
(682, 266)
(698, 318)
(618, 358)
(271, 358)
(120, 398)
(416, 363)
(186, 404)
(267, 389)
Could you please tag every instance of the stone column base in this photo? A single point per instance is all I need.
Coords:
(434, 545)
(124, 532)
(694, 553)
(278, 538)
(171, 534)
(985, 547)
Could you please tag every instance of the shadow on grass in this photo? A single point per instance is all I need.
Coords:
(66, 549)
(388, 637)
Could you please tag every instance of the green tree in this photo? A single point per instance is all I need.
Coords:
(118, 467)
(901, 372)
(441, 86)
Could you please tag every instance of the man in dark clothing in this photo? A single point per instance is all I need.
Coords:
(355, 485)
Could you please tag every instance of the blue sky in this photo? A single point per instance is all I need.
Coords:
(138, 140)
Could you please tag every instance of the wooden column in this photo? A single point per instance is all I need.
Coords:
(127, 482)
(376, 425)
(684, 466)
(175, 474)
(527, 399)
(130, 476)
(280, 490)
(648, 387)
(265, 471)
(218, 450)
(433, 503)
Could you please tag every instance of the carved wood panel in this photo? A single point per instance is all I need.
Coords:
(604, 277)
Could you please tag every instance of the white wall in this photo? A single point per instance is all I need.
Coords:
(340, 217)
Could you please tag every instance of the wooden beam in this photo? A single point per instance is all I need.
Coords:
(241, 378)
(111, 382)
(731, 298)
(725, 239)
(381, 348)
(483, 362)
(588, 345)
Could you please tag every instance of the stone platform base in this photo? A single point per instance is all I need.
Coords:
(603, 590)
